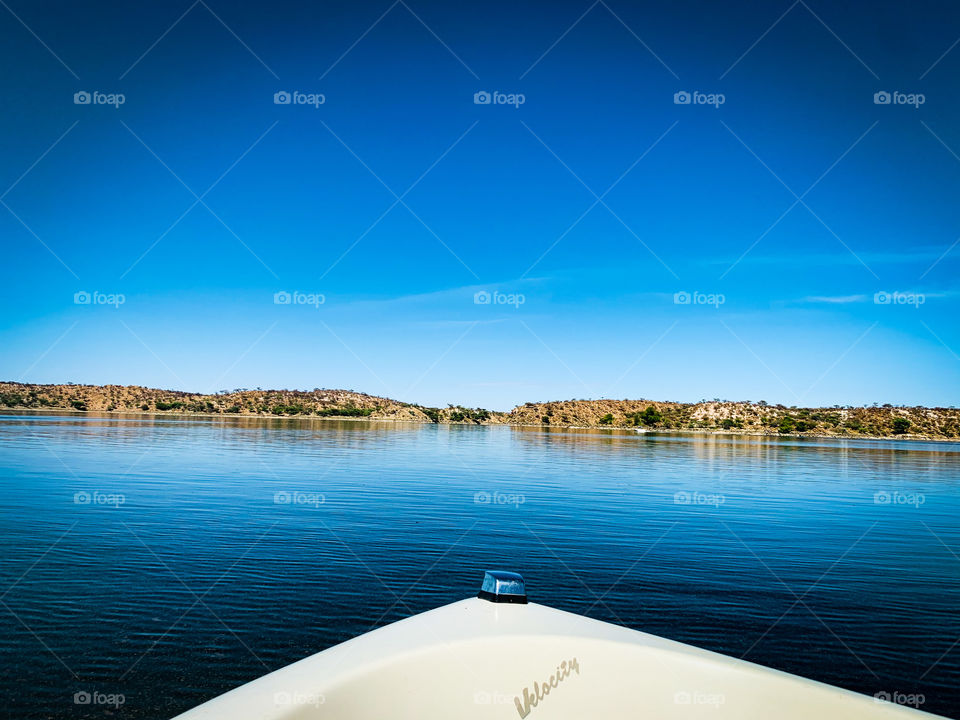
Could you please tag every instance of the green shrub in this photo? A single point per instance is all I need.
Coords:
(606, 419)
(78, 404)
(650, 416)
(900, 425)
(289, 410)
(346, 411)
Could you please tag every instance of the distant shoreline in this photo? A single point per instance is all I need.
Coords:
(627, 431)
(706, 417)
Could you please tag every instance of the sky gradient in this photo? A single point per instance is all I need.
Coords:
(811, 226)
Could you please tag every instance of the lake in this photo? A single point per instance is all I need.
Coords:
(160, 561)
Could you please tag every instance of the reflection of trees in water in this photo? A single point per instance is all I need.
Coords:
(745, 451)
(133, 428)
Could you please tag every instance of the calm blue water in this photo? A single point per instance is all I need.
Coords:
(241, 545)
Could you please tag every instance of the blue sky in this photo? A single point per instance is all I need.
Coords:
(812, 229)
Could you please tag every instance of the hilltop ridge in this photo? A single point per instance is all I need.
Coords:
(319, 402)
(651, 415)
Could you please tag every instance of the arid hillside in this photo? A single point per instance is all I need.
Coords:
(886, 421)
(317, 403)
(650, 415)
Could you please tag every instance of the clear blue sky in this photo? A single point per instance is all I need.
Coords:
(497, 198)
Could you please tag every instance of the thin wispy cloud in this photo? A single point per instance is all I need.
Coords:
(835, 299)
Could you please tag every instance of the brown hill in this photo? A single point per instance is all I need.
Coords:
(318, 402)
(715, 416)
(745, 417)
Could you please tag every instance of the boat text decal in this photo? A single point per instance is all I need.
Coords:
(532, 696)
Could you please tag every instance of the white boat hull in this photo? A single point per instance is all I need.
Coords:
(482, 659)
